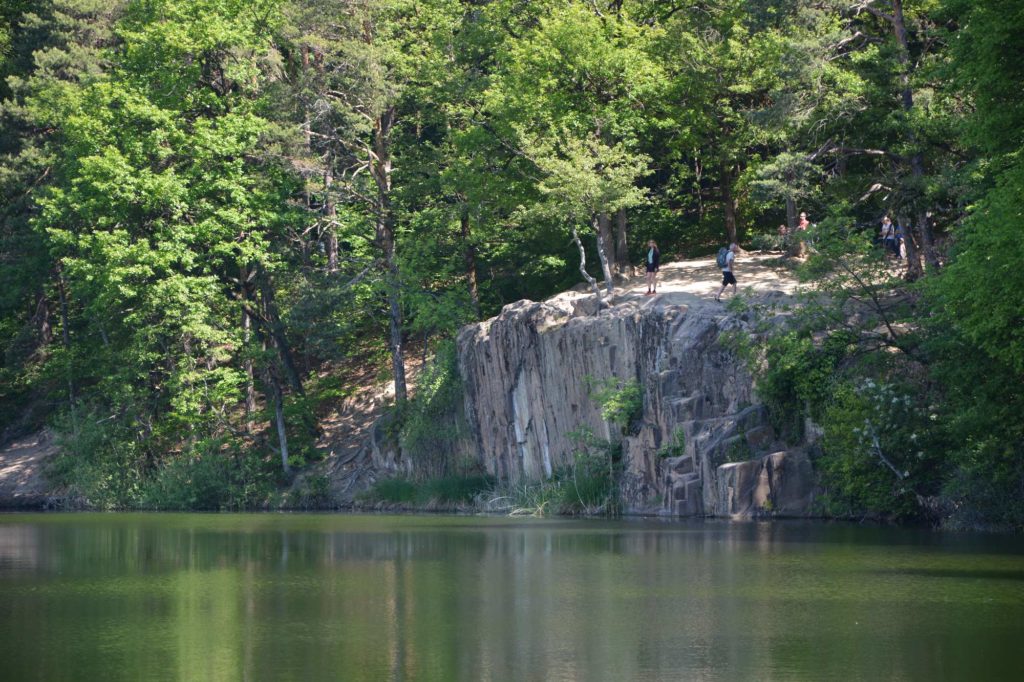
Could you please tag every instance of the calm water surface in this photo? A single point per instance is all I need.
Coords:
(334, 597)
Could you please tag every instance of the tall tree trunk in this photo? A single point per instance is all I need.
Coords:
(277, 396)
(395, 319)
(791, 214)
(914, 267)
(729, 203)
(922, 226)
(583, 267)
(380, 168)
(250, 377)
(622, 264)
(276, 329)
(42, 318)
(330, 217)
(65, 334)
(698, 183)
(274, 394)
(470, 255)
(602, 224)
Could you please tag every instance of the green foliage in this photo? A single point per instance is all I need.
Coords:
(100, 461)
(341, 171)
(211, 479)
(108, 466)
(432, 422)
(316, 491)
(621, 401)
(769, 242)
(531, 498)
(739, 450)
(788, 176)
(879, 451)
(676, 446)
(392, 491)
(738, 304)
(452, 490)
(981, 293)
(591, 484)
(975, 338)
(795, 379)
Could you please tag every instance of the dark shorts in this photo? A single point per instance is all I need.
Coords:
(728, 278)
(651, 267)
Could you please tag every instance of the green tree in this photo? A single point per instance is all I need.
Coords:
(570, 96)
(975, 328)
(52, 47)
(161, 216)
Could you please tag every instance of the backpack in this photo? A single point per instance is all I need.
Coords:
(722, 259)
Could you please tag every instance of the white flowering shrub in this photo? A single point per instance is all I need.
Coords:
(879, 450)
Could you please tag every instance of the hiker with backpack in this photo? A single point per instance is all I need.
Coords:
(652, 260)
(726, 260)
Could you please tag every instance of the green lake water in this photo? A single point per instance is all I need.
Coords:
(138, 597)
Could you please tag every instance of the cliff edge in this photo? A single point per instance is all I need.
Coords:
(702, 445)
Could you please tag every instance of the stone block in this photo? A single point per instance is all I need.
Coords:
(779, 484)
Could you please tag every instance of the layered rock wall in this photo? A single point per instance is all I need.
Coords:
(528, 377)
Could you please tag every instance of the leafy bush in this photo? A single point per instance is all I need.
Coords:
(530, 498)
(769, 242)
(796, 379)
(110, 466)
(977, 339)
(621, 402)
(455, 489)
(981, 419)
(392, 490)
(202, 483)
(878, 452)
(100, 460)
(587, 486)
(314, 492)
(590, 484)
(212, 476)
(431, 422)
(448, 490)
(675, 447)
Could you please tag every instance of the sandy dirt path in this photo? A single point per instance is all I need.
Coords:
(694, 283)
(22, 463)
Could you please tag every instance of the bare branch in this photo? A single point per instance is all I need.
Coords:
(868, 7)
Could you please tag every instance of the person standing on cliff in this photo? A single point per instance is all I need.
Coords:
(652, 261)
(727, 274)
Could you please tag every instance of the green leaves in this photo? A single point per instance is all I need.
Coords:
(157, 207)
(588, 176)
(981, 292)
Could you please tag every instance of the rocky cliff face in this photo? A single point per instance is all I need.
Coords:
(528, 373)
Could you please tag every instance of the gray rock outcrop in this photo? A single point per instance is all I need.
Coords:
(777, 484)
(528, 375)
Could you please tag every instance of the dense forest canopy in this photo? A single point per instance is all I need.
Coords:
(210, 207)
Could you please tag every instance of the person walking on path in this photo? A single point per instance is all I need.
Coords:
(652, 261)
(727, 274)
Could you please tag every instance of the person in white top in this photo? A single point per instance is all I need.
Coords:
(728, 277)
(888, 237)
